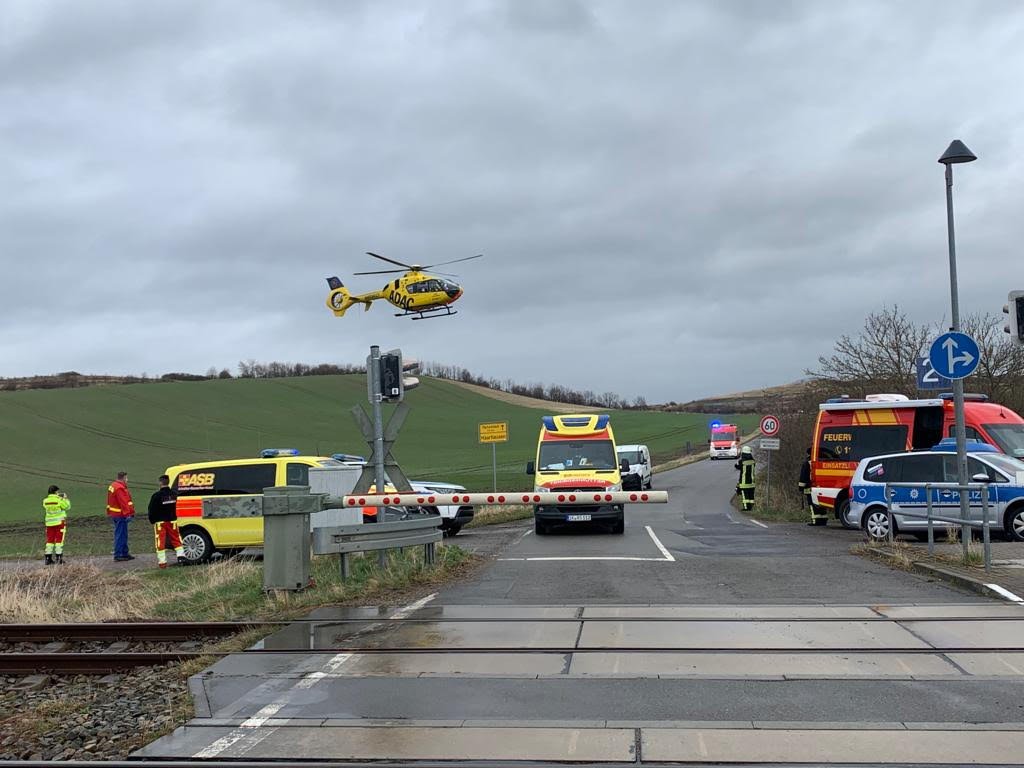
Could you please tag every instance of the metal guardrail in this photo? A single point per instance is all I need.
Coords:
(343, 540)
(931, 517)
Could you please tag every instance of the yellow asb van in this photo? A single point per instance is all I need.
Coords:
(201, 537)
(576, 454)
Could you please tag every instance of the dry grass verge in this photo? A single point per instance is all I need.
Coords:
(225, 590)
(497, 515)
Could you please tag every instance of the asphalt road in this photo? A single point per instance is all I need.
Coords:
(720, 556)
(698, 636)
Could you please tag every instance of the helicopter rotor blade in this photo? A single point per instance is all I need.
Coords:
(382, 272)
(389, 261)
(453, 261)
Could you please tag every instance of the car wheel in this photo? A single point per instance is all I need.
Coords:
(1014, 523)
(843, 515)
(876, 524)
(197, 545)
(619, 526)
(453, 530)
(539, 528)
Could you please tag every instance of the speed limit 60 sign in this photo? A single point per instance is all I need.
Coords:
(770, 426)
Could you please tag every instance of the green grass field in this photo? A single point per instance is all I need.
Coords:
(78, 438)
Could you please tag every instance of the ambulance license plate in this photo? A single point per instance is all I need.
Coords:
(577, 518)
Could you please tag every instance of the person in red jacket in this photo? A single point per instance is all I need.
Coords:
(120, 509)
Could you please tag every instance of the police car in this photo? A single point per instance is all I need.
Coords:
(1003, 474)
(453, 516)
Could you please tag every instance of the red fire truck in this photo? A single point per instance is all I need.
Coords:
(849, 430)
(725, 441)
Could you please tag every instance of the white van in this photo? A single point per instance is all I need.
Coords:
(639, 476)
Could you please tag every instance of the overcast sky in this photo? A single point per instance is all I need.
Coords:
(675, 199)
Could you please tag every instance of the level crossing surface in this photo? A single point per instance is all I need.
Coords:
(699, 636)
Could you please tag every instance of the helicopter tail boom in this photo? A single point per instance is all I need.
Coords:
(339, 300)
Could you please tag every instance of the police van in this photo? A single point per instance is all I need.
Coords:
(1004, 476)
(202, 537)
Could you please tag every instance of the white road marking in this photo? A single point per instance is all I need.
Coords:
(249, 728)
(665, 558)
(404, 612)
(595, 557)
(758, 522)
(659, 545)
(1005, 593)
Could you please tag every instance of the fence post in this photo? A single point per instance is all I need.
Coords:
(888, 512)
(931, 529)
(985, 535)
(346, 566)
(965, 528)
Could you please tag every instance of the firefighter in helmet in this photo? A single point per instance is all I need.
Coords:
(817, 518)
(745, 486)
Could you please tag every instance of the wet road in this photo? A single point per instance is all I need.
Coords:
(698, 636)
(695, 549)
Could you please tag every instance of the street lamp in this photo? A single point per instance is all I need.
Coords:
(957, 152)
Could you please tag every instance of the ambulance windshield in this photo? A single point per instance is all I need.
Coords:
(576, 454)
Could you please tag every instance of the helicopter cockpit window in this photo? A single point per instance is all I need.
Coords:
(421, 287)
(448, 285)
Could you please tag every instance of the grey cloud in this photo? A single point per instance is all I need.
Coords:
(708, 192)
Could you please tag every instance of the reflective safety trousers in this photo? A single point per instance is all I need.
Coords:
(55, 509)
(746, 473)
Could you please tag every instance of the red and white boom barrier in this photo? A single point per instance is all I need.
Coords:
(566, 499)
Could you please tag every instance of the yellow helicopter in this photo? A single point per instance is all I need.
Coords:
(416, 293)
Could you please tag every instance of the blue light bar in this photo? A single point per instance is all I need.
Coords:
(273, 453)
(348, 458)
(948, 445)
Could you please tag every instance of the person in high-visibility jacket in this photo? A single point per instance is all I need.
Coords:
(745, 487)
(804, 484)
(163, 514)
(120, 509)
(55, 511)
(370, 513)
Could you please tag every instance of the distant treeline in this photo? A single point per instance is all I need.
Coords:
(253, 369)
(553, 392)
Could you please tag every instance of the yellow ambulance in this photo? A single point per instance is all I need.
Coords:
(200, 536)
(576, 454)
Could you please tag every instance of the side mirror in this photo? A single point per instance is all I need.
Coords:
(981, 477)
(530, 468)
(624, 465)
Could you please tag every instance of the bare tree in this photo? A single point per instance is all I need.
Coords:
(881, 358)
(1000, 372)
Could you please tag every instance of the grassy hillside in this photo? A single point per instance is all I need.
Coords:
(78, 438)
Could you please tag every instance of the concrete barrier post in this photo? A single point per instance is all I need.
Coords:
(286, 558)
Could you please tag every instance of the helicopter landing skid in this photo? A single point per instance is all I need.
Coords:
(426, 314)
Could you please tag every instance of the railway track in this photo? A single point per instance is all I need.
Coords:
(102, 648)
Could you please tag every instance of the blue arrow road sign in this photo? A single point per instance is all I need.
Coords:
(928, 379)
(954, 355)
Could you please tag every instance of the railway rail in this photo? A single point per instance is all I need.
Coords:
(102, 648)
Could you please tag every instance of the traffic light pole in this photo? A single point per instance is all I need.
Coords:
(378, 424)
(958, 384)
